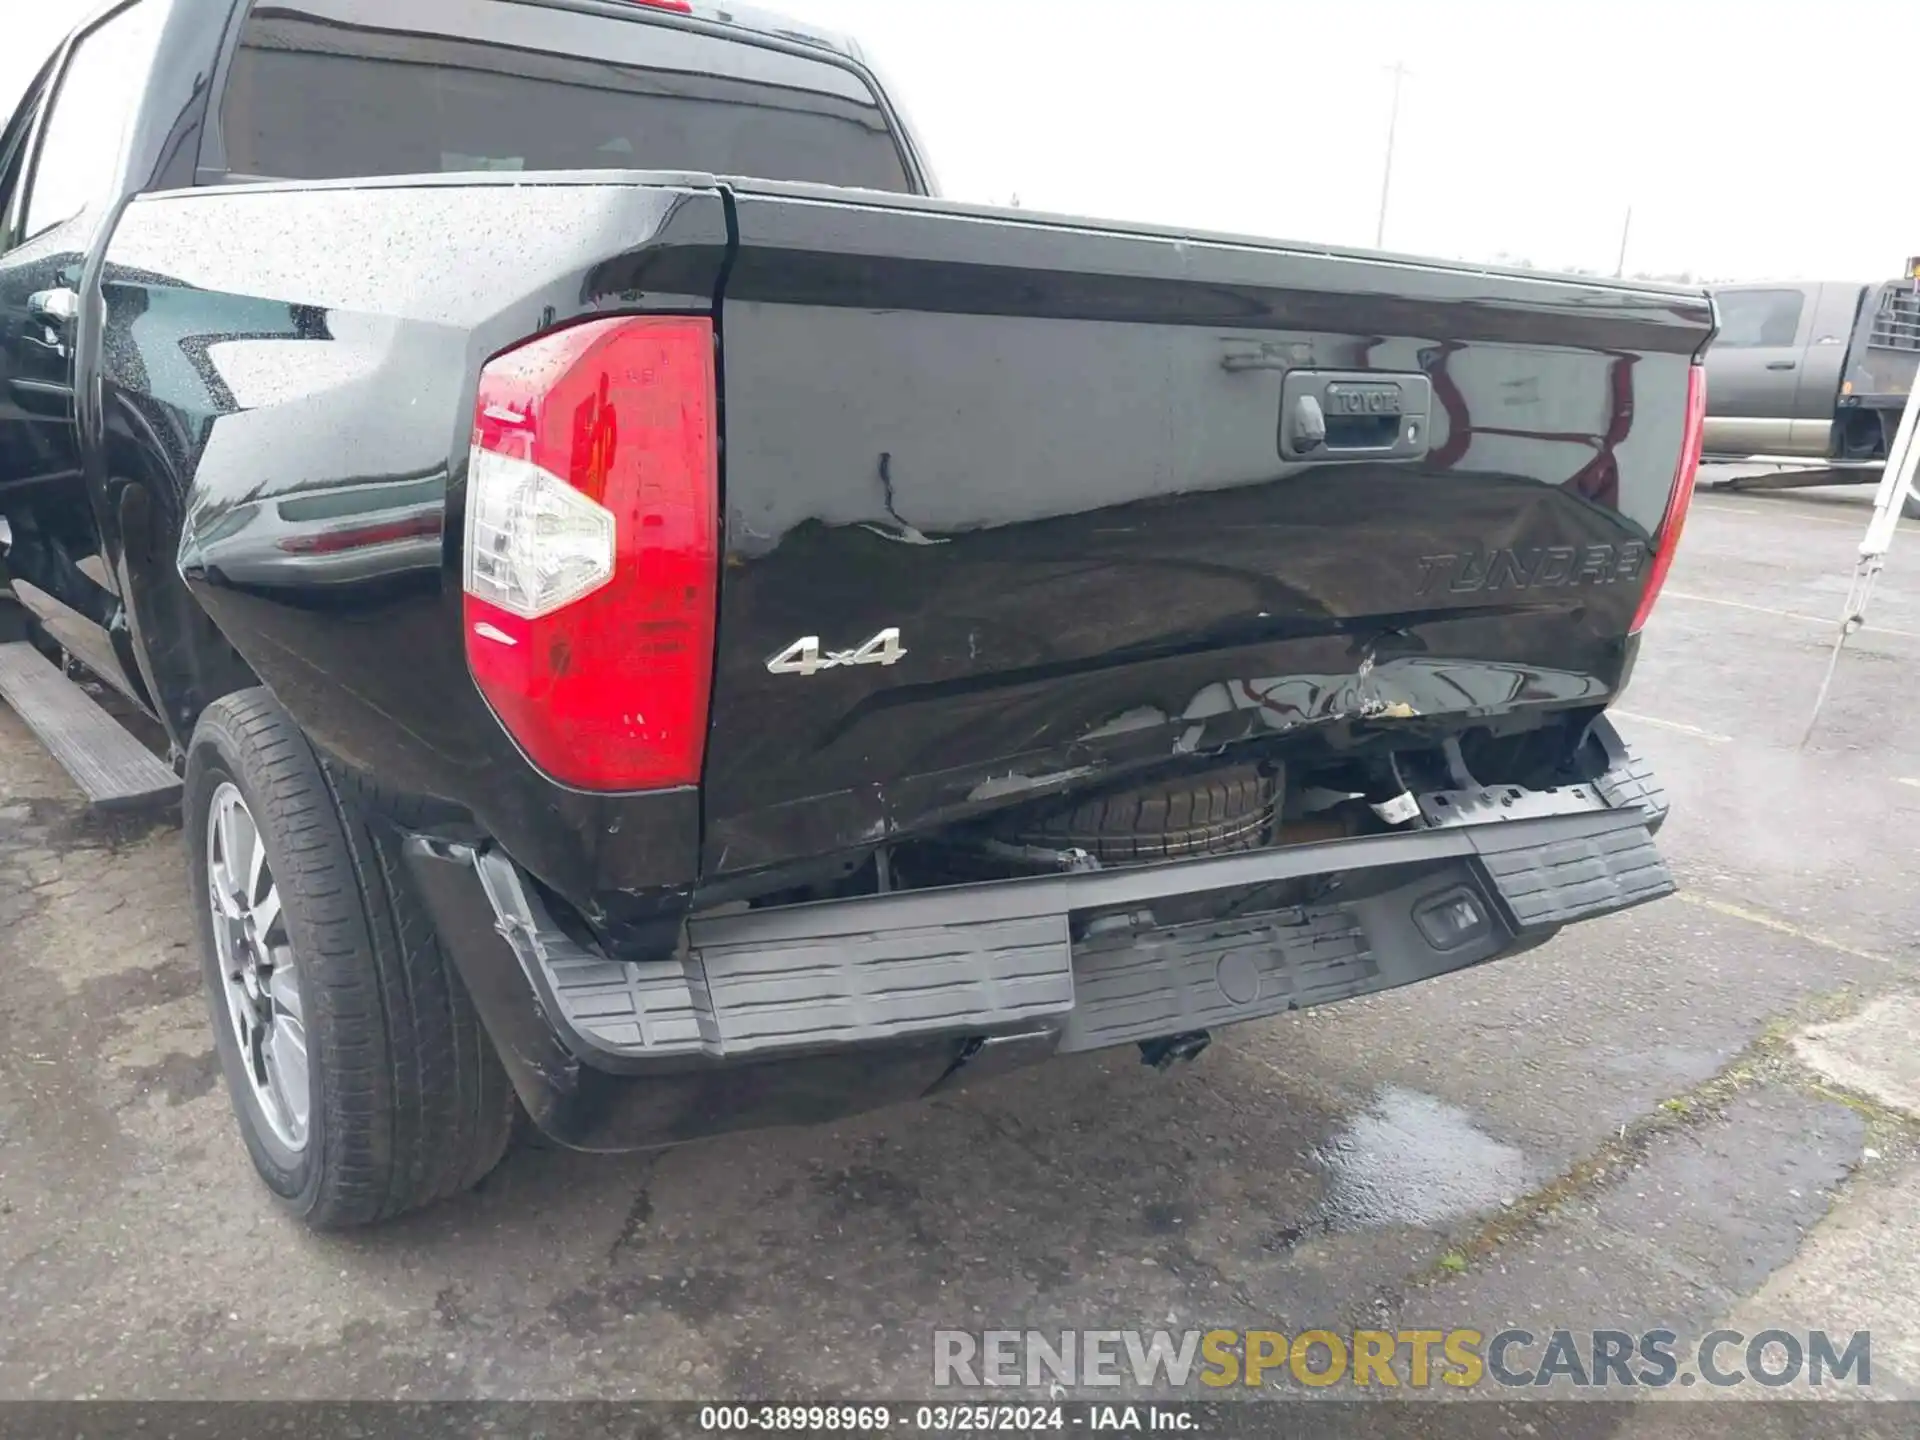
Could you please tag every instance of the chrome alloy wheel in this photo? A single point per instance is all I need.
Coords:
(256, 963)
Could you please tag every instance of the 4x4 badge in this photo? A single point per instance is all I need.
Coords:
(804, 657)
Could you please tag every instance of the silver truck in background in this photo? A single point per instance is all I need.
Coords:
(1813, 371)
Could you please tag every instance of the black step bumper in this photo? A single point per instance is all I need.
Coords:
(806, 1013)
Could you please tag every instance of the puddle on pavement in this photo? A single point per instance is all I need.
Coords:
(1414, 1160)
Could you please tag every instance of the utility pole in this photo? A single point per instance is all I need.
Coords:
(1620, 270)
(1399, 72)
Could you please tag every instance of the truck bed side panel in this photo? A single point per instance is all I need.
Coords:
(289, 376)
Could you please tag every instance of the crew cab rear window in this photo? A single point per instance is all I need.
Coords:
(1755, 319)
(337, 89)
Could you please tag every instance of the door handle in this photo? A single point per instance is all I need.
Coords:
(56, 310)
(1780, 364)
(56, 307)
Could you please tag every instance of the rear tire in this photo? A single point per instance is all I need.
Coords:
(408, 1102)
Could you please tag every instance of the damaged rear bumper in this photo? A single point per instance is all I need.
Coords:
(806, 1013)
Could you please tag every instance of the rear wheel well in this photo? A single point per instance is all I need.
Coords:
(1862, 434)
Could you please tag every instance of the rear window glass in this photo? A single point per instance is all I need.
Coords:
(335, 89)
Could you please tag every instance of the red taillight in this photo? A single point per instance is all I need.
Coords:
(679, 7)
(1667, 538)
(591, 552)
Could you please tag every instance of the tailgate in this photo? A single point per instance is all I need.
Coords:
(1013, 504)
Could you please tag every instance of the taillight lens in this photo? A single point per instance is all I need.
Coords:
(1667, 539)
(591, 549)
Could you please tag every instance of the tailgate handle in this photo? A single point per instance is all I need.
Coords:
(1309, 425)
(1361, 415)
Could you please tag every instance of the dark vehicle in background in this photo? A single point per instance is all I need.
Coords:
(664, 622)
(1811, 370)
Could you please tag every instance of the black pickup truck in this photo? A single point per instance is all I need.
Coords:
(662, 621)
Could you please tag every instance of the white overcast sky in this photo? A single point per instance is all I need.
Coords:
(1750, 137)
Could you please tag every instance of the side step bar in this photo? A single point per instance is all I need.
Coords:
(114, 769)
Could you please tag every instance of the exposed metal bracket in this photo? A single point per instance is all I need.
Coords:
(1442, 809)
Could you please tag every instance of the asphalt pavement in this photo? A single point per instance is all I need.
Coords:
(1695, 1114)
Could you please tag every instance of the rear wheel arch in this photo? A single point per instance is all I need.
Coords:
(186, 661)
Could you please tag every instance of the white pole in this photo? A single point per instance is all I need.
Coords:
(1400, 72)
(1889, 503)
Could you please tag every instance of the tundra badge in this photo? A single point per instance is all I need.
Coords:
(803, 657)
(1554, 567)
